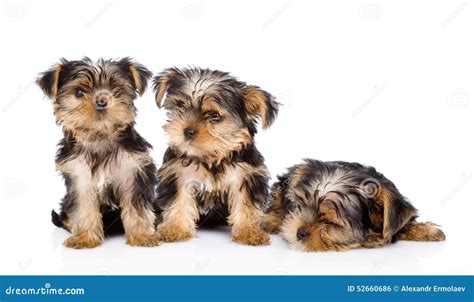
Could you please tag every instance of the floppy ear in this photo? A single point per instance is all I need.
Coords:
(259, 103)
(139, 74)
(161, 83)
(396, 212)
(48, 81)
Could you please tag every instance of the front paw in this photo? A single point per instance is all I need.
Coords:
(250, 236)
(143, 240)
(174, 233)
(83, 241)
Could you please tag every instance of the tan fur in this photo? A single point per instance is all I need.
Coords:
(255, 104)
(317, 222)
(211, 145)
(271, 221)
(136, 78)
(87, 219)
(418, 231)
(162, 86)
(139, 223)
(80, 117)
(94, 104)
(85, 223)
(244, 217)
(54, 91)
(213, 142)
(384, 197)
(179, 219)
(291, 224)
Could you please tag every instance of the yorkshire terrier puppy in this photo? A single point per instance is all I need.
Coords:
(335, 206)
(212, 170)
(109, 175)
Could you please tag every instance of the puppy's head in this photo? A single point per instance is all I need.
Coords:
(331, 206)
(210, 113)
(94, 100)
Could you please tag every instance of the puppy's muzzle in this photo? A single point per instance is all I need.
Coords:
(101, 103)
(102, 100)
(189, 133)
(302, 233)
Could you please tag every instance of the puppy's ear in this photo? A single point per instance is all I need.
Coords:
(396, 212)
(259, 103)
(138, 73)
(48, 81)
(161, 83)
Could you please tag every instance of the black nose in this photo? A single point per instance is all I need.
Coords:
(302, 233)
(189, 133)
(101, 104)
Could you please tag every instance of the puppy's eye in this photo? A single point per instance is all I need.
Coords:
(214, 116)
(80, 93)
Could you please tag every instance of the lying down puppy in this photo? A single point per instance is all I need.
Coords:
(336, 206)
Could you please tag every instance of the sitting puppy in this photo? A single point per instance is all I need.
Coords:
(212, 171)
(335, 206)
(106, 165)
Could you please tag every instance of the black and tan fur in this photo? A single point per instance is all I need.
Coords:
(212, 170)
(109, 174)
(335, 206)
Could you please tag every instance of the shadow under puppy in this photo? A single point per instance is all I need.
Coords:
(212, 170)
(109, 175)
(335, 206)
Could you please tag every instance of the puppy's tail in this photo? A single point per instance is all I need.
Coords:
(57, 219)
(421, 231)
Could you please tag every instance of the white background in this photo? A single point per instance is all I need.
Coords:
(384, 83)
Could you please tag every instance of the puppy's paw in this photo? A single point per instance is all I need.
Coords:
(143, 240)
(83, 241)
(250, 236)
(174, 233)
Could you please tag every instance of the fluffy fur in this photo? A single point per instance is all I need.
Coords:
(335, 206)
(212, 171)
(109, 174)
